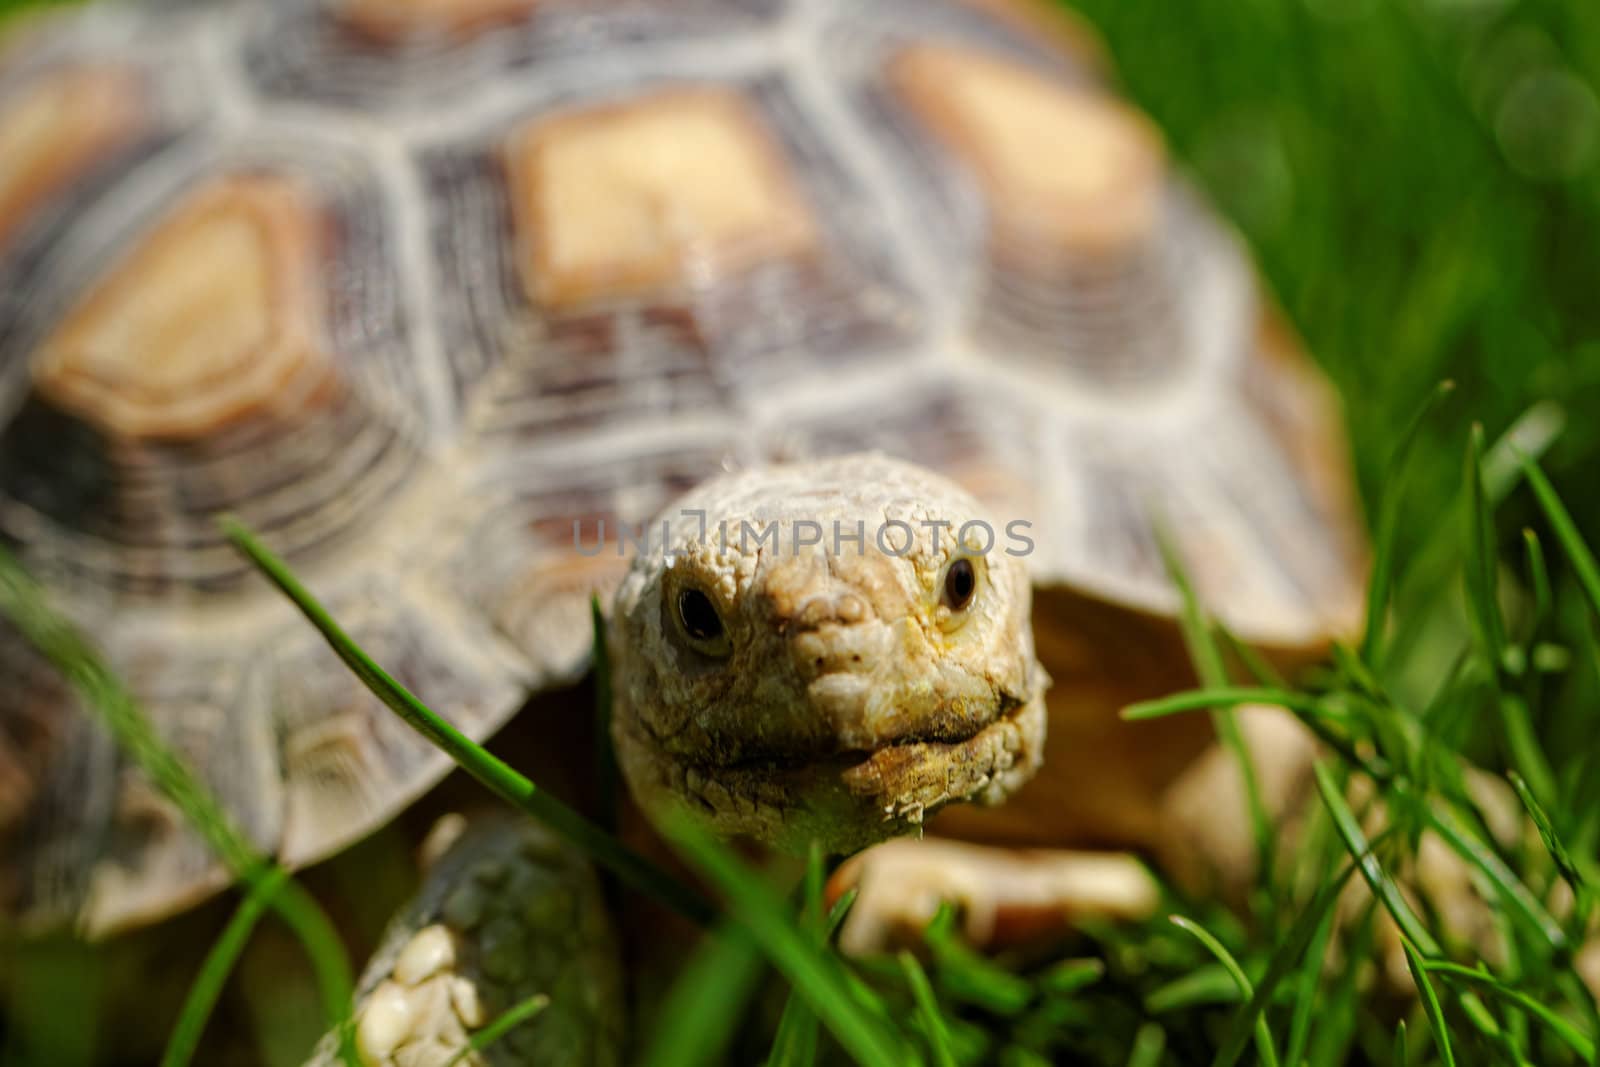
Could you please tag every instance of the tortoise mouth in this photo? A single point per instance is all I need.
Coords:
(906, 777)
(927, 738)
(901, 770)
(849, 798)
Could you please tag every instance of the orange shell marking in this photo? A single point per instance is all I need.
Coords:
(399, 20)
(59, 128)
(203, 324)
(1068, 163)
(672, 190)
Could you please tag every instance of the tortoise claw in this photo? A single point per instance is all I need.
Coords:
(1005, 897)
(506, 912)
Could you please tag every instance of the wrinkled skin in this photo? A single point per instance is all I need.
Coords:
(841, 690)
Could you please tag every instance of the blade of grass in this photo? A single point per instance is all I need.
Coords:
(700, 1012)
(1069, 976)
(1219, 696)
(1530, 435)
(1574, 1038)
(1317, 916)
(502, 1025)
(966, 976)
(1380, 584)
(1519, 900)
(1358, 674)
(24, 603)
(1213, 674)
(1572, 542)
(840, 909)
(864, 994)
(1430, 1004)
(1522, 745)
(927, 1010)
(1482, 592)
(1269, 1056)
(1149, 1043)
(1547, 834)
(1538, 578)
(1312, 711)
(1259, 667)
(796, 1039)
(315, 931)
(1355, 843)
(214, 971)
(477, 761)
(795, 1042)
(1336, 1011)
(1203, 985)
(816, 974)
(1479, 1015)
(815, 917)
(1480, 575)
(1306, 988)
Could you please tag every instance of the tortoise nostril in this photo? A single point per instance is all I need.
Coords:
(835, 649)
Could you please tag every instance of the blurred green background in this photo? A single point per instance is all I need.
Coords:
(1420, 180)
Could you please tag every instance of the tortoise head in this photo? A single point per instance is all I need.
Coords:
(825, 651)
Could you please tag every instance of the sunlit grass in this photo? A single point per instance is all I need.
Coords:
(1421, 786)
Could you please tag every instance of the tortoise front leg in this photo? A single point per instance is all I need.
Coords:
(506, 913)
(1004, 896)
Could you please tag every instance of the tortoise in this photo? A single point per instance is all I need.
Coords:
(446, 299)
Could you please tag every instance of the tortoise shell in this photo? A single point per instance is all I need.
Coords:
(436, 295)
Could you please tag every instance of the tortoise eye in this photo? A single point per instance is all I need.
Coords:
(699, 618)
(960, 584)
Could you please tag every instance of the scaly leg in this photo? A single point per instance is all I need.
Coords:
(506, 912)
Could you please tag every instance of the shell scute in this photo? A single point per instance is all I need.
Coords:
(210, 368)
(555, 332)
(386, 55)
(67, 122)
